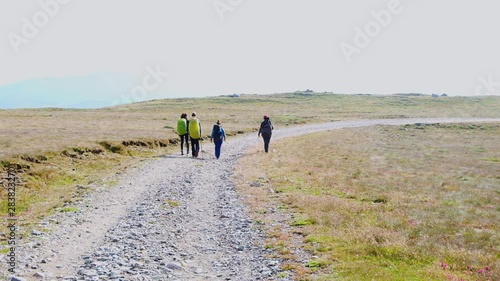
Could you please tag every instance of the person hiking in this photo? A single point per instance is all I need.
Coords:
(266, 130)
(195, 134)
(218, 136)
(183, 132)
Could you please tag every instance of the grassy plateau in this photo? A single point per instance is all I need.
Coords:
(382, 203)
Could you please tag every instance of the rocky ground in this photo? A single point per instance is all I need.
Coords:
(173, 218)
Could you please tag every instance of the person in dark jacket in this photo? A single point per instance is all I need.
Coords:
(266, 130)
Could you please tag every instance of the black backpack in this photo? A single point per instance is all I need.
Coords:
(266, 124)
(217, 132)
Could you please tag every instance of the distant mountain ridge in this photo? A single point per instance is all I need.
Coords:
(92, 91)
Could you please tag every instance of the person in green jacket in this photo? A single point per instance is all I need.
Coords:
(183, 132)
(195, 134)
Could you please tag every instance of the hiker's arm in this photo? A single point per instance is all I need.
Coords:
(223, 134)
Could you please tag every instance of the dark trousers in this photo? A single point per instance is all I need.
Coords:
(184, 139)
(195, 146)
(218, 145)
(267, 140)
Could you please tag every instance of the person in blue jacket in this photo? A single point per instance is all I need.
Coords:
(217, 137)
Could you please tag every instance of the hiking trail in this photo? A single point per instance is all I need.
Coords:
(173, 218)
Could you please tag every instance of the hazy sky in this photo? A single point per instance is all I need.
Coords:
(258, 46)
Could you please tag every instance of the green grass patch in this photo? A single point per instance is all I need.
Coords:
(315, 264)
(69, 210)
(5, 250)
(115, 148)
(302, 222)
(173, 203)
(492, 159)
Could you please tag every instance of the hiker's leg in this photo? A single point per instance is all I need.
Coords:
(187, 142)
(182, 144)
(218, 144)
(193, 148)
(266, 144)
(196, 147)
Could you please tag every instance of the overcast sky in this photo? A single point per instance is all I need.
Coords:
(258, 46)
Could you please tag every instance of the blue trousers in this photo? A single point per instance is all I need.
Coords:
(218, 145)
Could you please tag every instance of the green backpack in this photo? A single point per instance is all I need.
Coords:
(194, 128)
(181, 127)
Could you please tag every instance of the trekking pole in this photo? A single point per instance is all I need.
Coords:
(201, 148)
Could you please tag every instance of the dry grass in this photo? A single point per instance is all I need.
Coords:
(36, 131)
(388, 203)
(58, 149)
(272, 216)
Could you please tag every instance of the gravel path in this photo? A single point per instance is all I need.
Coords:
(175, 218)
